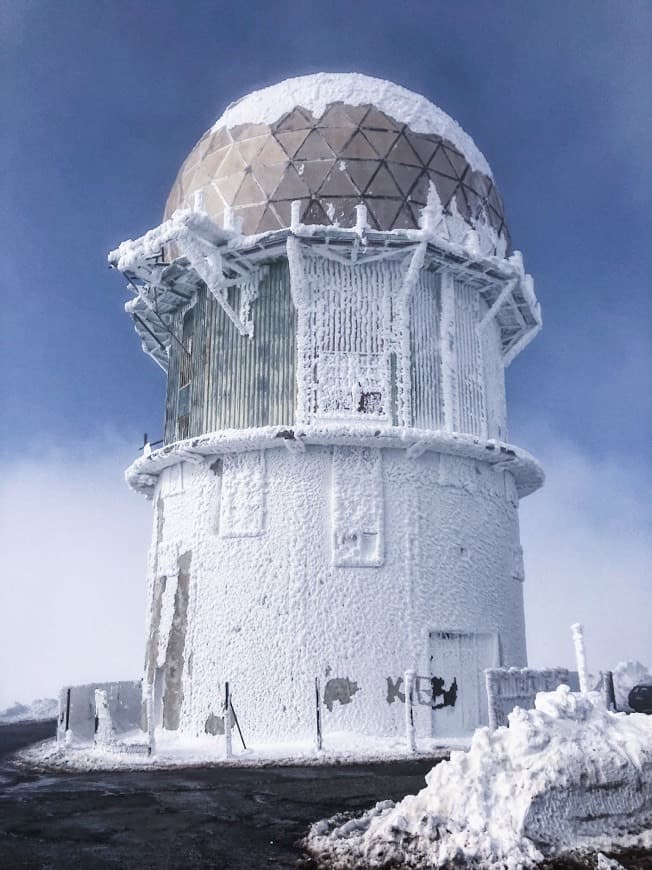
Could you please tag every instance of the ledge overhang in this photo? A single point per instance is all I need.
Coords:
(142, 475)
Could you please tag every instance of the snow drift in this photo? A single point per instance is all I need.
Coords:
(566, 774)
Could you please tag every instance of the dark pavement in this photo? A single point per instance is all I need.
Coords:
(212, 817)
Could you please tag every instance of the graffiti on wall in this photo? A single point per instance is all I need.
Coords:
(339, 689)
(428, 692)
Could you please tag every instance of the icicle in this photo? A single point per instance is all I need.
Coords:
(432, 214)
(455, 223)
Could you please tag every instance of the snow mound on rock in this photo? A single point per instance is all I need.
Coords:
(37, 711)
(566, 774)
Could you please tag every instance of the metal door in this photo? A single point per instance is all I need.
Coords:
(459, 697)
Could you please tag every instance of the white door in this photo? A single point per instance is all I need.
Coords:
(459, 697)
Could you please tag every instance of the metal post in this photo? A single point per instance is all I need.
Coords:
(609, 691)
(410, 737)
(228, 746)
(68, 732)
(318, 741)
(149, 712)
(577, 630)
(237, 724)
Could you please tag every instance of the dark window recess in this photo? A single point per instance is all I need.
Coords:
(370, 403)
(185, 375)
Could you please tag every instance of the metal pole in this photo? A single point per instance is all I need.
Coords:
(68, 734)
(149, 712)
(318, 711)
(228, 745)
(237, 724)
(410, 737)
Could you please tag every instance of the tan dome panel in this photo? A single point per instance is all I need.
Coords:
(332, 155)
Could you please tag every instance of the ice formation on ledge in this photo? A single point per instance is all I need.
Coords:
(316, 92)
(564, 775)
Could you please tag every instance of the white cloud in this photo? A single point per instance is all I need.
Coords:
(587, 538)
(74, 544)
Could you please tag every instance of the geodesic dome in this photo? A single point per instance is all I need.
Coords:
(333, 141)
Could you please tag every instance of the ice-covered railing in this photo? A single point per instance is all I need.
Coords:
(208, 258)
(221, 257)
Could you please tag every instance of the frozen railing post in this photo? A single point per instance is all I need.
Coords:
(318, 736)
(295, 214)
(228, 744)
(103, 724)
(151, 729)
(491, 682)
(361, 217)
(410, 737)
(577, 630)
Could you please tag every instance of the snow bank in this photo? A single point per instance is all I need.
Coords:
(563, 775)
(316, 92)
(37, 711)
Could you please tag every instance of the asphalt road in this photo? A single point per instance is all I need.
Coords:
(211, 817)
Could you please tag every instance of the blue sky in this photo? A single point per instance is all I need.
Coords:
(101, 102)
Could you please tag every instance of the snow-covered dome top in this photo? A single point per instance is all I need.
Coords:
(333, 140)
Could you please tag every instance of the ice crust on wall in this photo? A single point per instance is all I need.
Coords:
(565, 774)
(316, 92)
(376, 330)
(301, 599)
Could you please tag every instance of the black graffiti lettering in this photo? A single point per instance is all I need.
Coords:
(394, 690)
(449, 695)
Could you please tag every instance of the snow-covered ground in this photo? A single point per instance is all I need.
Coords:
(37, 711)
(565, 775)
(174, 750)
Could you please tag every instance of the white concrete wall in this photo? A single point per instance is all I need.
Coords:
(274, 601)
